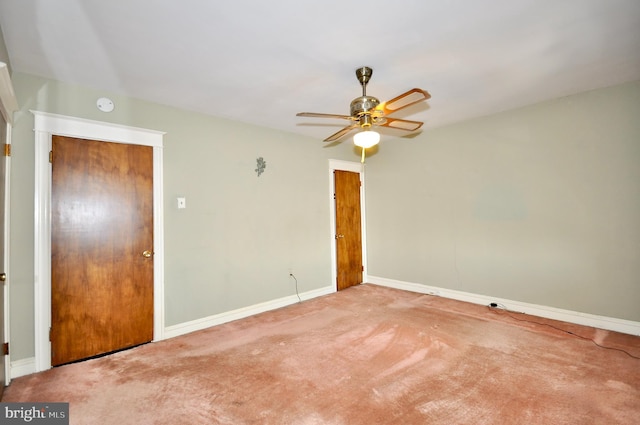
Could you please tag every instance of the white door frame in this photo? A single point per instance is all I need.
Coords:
(7, 255)
(46, 125)
(8, 105)
(356, 167)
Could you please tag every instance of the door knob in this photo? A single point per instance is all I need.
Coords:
(147, 254)
(339, 236)
(3, 277)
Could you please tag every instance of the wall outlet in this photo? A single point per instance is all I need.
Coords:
(182, 203)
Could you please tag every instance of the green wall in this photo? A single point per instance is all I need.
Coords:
(539, 205)
(234, 244)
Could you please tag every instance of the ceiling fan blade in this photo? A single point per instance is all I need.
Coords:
(339, 134)
(401, 124)
(318, 115)
(408, 98)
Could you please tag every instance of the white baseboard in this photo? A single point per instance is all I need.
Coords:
(23, 367)
(585, 319)
(218, 319)
(27, 366)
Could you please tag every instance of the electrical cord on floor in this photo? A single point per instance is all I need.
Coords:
(294, 278)
(495, 307)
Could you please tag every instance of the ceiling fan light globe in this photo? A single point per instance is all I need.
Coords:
(366, 139)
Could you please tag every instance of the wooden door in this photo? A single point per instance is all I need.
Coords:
(101, 247)
(4, 184)
(348, 229)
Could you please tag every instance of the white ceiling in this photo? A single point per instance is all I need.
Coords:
(263, 61)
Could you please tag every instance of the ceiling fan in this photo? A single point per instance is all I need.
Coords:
(368, 111)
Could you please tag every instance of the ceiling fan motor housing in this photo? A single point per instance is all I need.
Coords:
(363, 106)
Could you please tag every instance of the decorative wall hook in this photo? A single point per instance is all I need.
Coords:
(261, 165)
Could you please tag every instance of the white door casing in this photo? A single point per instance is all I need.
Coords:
(45, 125)
(356, 167)
(8, 105)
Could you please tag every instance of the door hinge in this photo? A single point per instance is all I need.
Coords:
(51, 157)
(362, 268)
(5, 349)
(49, 334)
(7, 149)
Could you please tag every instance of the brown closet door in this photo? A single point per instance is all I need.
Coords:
(101, 247)
(348, 229)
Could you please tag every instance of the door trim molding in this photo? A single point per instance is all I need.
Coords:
(47, 124)
(356, 167)
(8, 105)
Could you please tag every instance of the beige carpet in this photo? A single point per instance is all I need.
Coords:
(366, 355)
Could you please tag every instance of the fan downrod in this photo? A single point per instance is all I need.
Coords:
(364, 75)
(362, 107)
